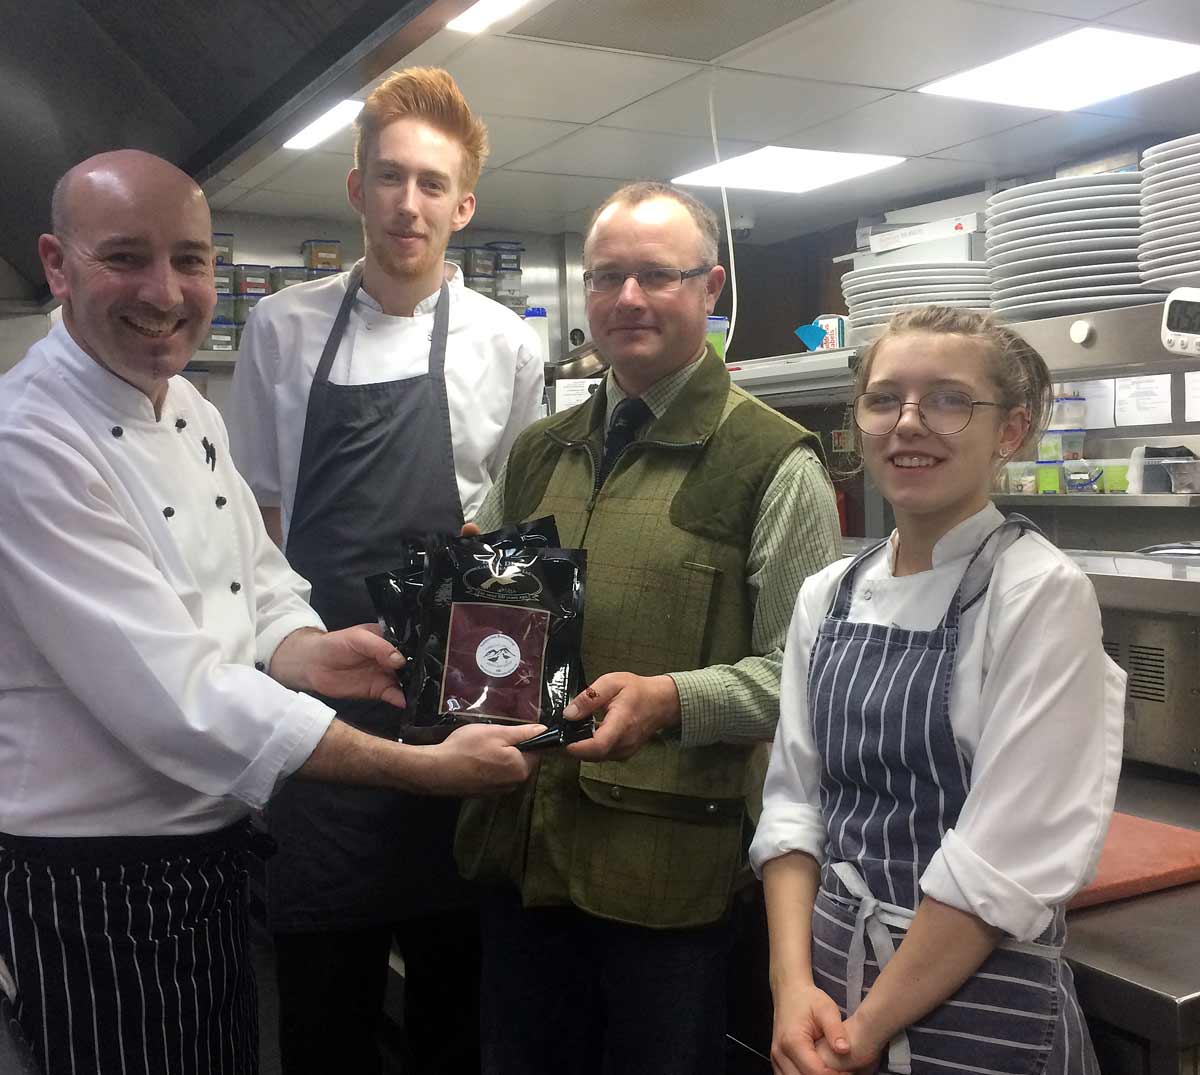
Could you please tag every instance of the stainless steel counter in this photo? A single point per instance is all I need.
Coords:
(1137, 961)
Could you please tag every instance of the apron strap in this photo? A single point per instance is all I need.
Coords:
(957, 605)
(872, 918)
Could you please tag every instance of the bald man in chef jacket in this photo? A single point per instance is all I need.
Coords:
(155, 651)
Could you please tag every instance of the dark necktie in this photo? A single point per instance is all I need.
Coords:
(628, 417)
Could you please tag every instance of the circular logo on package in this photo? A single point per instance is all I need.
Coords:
(498, 656)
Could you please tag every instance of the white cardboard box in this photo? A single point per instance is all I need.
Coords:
(946, 228)
(962, 247)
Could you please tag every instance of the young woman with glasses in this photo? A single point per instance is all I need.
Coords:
(948, 745)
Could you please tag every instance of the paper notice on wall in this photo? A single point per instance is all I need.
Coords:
(572, 391)
(1144, 401)
(1101, 403)
(1191, 395)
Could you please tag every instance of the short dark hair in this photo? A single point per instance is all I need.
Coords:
(647, 190)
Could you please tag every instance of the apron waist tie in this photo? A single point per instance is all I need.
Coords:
(873, 917)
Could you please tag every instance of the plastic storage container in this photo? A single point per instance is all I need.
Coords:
(718, 330)
(223, 247)
(1114, 474)
(252, 279)
(322, 253)
(508, 254)
(1061, 444)
(1184, 474)
(1049, 476)
(226, 307)
(1022, 478)
(222, 336)
(457, 255)
(224, 279)
(536, 319)
(509, 282)
(285, 275)
(321, 274)
(480, 261)
(243, 305)
(1069, 412)
(1083, 476)
(485, 285)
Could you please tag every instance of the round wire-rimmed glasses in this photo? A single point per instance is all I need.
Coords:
(943, 411)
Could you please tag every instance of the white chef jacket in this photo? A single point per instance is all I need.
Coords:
(1036, 706)
(133, 606)
(494, 378)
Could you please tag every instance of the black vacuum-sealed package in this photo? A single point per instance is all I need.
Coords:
(490, 626)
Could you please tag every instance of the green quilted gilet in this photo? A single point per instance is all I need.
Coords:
(656, 840)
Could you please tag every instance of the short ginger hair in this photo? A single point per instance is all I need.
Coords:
(432, 96)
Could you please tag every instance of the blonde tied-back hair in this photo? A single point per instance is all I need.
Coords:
(432, 96)
(1017, 369)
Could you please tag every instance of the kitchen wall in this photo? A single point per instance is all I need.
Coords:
(17, 335)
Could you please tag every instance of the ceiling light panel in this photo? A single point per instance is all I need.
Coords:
(789, 171)
(339, 116)
(1074, 71)
(480, 16)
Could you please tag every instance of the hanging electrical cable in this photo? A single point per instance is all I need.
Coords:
(712, 127)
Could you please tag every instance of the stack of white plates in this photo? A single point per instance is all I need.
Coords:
(1065, 246)
(1169, 254)
(873, 295)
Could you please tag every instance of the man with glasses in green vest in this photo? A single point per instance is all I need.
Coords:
(611, 874)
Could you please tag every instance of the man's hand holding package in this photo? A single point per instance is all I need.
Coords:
(636, 708)
(353, 663)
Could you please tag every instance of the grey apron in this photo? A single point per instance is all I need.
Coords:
(376, 462)
(893, 781)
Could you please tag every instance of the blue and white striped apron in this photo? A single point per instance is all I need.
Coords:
(893, 781)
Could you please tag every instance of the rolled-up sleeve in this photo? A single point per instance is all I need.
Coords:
(1044, 775)
(791, 815)
(84, 585)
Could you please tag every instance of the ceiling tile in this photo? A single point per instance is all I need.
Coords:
(1171, 108)
(512, 137)
(1069, 9)
(1179, 19)
(688, 29)
(316, 173)
(1054, 140)
(618, 154)
(291, 204)
(901, 44)
(431, 53)
(747, 104)
(279, 161)
(341, 142)
(512, 77)
(226, 196)
(504, 188)
(911, 125)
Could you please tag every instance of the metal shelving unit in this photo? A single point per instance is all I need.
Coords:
(1098, 500)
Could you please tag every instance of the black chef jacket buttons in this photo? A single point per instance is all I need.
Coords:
(710, 808)
(168, 511)
(234, 587)
(221, 502)
(615, 793)
(117, 431)
(181, 423)
(259, 666)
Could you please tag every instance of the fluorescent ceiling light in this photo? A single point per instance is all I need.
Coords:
(481, 15)
(1074, 71)
(339, 116)
(792, 171)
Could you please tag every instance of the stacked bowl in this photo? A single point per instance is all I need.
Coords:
(873, 295)
(1065, 246)
(1169, 253)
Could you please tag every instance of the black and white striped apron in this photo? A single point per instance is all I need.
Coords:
(129, 954)
(893, 781)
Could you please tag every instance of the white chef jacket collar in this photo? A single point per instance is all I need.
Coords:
(451, 274)
(959, 541)
(103, 387)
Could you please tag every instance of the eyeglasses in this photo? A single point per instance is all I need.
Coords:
(652, 281)
(943, 412)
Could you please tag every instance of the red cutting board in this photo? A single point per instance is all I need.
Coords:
(1141, 856)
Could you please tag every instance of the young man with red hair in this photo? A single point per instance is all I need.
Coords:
(379, 401)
